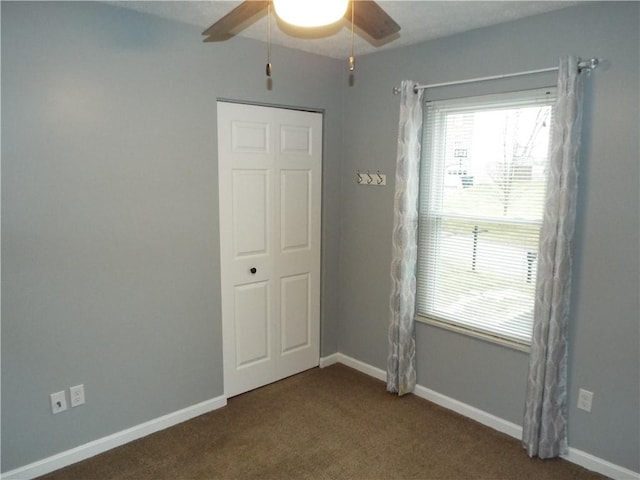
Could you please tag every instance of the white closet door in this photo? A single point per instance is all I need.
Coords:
(269, 167)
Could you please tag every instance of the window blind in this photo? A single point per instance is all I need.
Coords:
(483, 181)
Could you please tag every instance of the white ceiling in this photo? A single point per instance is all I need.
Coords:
(419, 21)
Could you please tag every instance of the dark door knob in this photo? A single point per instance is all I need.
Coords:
(253, 270)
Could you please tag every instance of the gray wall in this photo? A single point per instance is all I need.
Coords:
(109, 216)
(604, 345)
(110, 213)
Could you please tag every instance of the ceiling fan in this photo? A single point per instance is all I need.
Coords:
(367, 15)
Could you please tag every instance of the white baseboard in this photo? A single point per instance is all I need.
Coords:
(590, 462)
(88, 450)
(468, 411)
(578, 457)
(355, 364)
(91, 449)
(330, 360)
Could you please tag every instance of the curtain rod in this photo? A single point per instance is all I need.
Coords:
(582, 65)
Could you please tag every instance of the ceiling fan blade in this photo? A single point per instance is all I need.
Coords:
(223, 28)
(372, 19)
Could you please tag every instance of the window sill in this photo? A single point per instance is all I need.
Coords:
(474, 333)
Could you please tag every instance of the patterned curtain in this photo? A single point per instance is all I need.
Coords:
(545, 419)
(401, 370)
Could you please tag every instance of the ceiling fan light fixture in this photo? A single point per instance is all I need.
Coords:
(310, 13)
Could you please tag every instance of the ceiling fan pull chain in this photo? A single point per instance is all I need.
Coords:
(268, 68)
(352, 59)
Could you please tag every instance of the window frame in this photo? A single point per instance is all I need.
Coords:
(467, 104)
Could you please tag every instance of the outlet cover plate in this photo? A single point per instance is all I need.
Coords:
(77, 395)
(58, 402)
(585, 398)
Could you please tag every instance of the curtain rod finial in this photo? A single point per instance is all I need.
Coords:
(398, 90)
(589, 64)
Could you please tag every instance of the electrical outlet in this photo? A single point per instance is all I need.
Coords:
(77, 395)
(58, 402)
(585, 398)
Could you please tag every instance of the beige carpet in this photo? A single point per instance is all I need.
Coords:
(331, 423)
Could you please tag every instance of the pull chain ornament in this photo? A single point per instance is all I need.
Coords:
(268, 67)
(352, 59)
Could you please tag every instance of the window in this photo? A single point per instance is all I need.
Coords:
(483, 179)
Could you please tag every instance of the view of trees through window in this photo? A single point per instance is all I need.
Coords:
(481, 214)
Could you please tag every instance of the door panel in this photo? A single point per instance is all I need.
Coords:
(251, 206)
(250, 137)
(252, 323)
(295, 315)
(295, 205)
(296, 140)
(269, 165)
